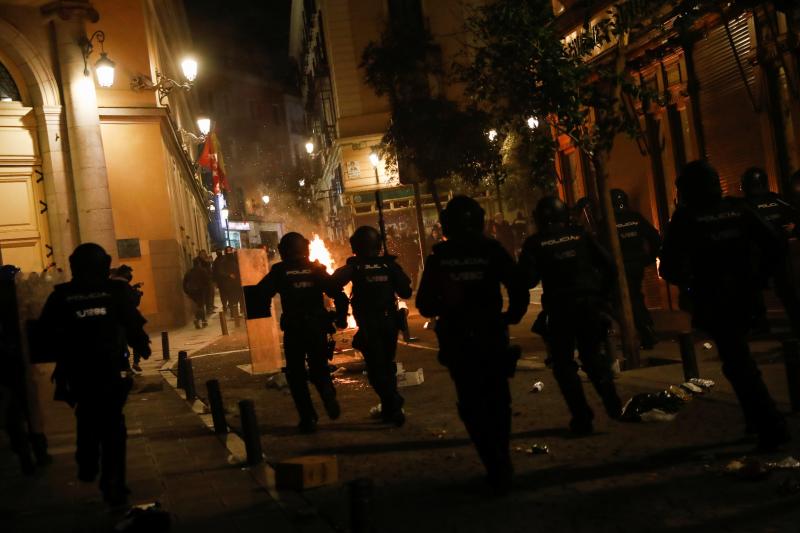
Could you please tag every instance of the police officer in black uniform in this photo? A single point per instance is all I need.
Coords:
(306, 324)
(640, 243)
(707, 251)
(461, 288)
(576, 275)
(90, 321)
(377, 282)
(784, 219)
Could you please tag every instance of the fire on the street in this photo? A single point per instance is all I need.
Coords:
(319, 252)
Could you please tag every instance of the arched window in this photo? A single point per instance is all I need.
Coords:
(8, 89)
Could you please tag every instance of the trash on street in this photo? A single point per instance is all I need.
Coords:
(278, 381)
(537, 387)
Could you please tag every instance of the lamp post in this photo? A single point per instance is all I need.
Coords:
(375, 160)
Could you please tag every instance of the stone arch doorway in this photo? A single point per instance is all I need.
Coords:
(35, 202)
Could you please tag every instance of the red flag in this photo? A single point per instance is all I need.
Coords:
(211, 158)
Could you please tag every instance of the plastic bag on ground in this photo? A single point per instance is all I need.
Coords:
(665, 402)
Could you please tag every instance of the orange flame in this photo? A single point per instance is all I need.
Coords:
(319, 252)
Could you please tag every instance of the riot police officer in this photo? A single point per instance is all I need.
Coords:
(377, 282)
(576, 275)
(707, 251)
(461, 288)
(640, 243)
(90, 321)
(784, 219)
(306, 324)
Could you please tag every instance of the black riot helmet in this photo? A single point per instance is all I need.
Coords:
(550, 210)
(90, 262)
(293, 246)
(698, 185)
(619, 200)
(463, 217)
(755, 182)
(366, 242)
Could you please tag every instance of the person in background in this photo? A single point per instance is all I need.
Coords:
(461, 288)
(520, 228)
(231, 281)
(90, 321)
(124, 273)
(504, 234)
(576, 274)
(784, 218)
(707, 252)
(218, 278)
(306, 324)
(207, 264)
(196, 284)
(377, 282)
(640, 243)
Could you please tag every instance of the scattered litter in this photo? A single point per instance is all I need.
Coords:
(339, 371)
(691, 387)
(278, 381)
(684, 395)
(787, 463)
(147, 517)
(400, 369)
(375, 412)
(537, 387)
(430, 324)
(657, 415)
(707, 345)
(747, 469)
(439, 433)
(410, 379)
(705, 384)
(539, 449)
(664, 403)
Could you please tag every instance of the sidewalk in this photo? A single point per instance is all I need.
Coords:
(173, 458)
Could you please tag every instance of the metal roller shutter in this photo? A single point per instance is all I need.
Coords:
(731, 125)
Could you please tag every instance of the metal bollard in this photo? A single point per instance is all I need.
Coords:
(165, 345)
(250, 433)
(188, 378)
(217, 408)
(791, 360)
(361, 505)
(688, 356)
(223, 323)
(182, 357)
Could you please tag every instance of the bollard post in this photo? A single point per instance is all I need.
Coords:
(250, 433)
(188, 378)
(217, 408)
(165, 345)
(361, 505)
(182, 357)
(688, 356)
(223, 323)
(791, 360)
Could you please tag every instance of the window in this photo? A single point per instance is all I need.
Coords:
(8, 89)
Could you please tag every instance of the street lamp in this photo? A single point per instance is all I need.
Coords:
(204, 125)
(164, 85)
(265, 199)
(310, 147)
(189, 68)
(533, 123)
(302, 183)
(375, 160)
(492, 134)
(104, 68)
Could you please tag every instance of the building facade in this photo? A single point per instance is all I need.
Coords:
(80, 162)
(727, 91)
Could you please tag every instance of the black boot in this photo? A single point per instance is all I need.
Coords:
(328, 395)
(572, 390)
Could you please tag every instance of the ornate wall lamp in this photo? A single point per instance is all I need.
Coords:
(104, 68)
(163, 85)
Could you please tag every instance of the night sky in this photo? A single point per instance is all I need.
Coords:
(262, 26)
